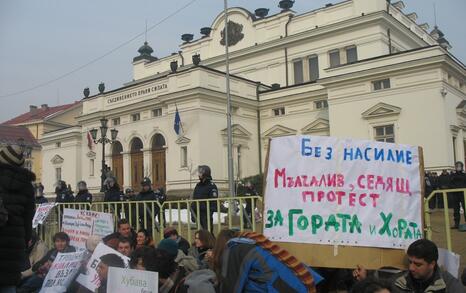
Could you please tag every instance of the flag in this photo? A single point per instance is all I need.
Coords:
(90, 141)
(177, 124)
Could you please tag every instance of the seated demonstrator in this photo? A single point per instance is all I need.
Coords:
(205, 189)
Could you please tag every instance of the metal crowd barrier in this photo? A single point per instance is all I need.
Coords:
(151, 215)
(427, 212)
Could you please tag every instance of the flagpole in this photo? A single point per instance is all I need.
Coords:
(231, 184)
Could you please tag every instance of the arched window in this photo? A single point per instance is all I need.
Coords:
(158, 142)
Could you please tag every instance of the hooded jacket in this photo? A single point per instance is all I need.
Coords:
(17, 193)
(441, 282)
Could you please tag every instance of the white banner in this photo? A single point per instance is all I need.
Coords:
(325, 190)
(62, 272)
(132, 281)
(42, 211)
(80, 224)
(90, 279)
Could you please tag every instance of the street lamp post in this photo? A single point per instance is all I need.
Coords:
(103, 140)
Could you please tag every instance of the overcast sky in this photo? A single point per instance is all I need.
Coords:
(42, 40)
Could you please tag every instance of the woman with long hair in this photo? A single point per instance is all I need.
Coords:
(143, 239)
(201, 250)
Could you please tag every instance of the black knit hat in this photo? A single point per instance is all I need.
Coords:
(11, 155)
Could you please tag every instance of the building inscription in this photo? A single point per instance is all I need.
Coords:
(137, 93)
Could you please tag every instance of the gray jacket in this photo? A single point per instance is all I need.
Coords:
(443, 282)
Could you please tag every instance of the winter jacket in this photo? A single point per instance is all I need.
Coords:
(201, 281)
(83, 196)
(64, 195)
(205, 190)
(41, 199)
(441, 282)
(183, 244)
(113, 194)
(199, 255)
(37, 253)
(189, 263)
(17, 193)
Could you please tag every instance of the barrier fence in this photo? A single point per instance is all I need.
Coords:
(228, 212)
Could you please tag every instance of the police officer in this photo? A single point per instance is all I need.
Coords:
(83, 194)
(145, 210)
(39, 193)
(457, 180)
(248, 214)
(63, 193)
(205, 189)
(112, 190)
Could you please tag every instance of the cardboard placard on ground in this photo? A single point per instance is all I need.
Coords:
(62, 272)
(42, 211)
(342, 196)
(80, 224)
(449, 261)
(90, 279)
(132, 281)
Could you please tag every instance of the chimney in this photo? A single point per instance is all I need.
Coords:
(32, 108)
(44, 106)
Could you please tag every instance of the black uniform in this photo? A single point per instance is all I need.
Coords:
(248, 215)
(457, 180)
(113, 194)
(145, 211)
(204, 190)
(64, 195)
(83, 196)
(41, 199)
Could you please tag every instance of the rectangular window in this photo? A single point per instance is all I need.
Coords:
(136, 117)
(58, 144)
(157, 112)
(313, 68)
(57, 174)
(381, 84)
(298, 71)
(278, 111)
(351, 54)
(384, 133)
(91, 167)
(116, 121)
(322, 104)
(334, 56)
(184, 156)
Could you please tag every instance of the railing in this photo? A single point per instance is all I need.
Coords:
(178, 213)
(427, 212)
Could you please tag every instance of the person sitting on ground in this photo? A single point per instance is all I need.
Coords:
(143, 259)
(61, 242)
(83, 194)
(172, 233)
(36, 250)
(424, 274)
(124, 230)
(170, 274)
(39, 193)
(204, 241)
(143, 239)
(124, 246)
(106, 261)
(371, 285)
(188, 263)
(16, 213)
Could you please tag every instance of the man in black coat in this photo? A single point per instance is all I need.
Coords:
(17, 195)
(146, 213)
(83, 194)
(64, 195)
(457, 180)
(205, 189)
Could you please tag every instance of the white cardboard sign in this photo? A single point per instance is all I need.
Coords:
(132, 281)
(62, 272)
(80, 224)
(326, 190)
(42, 211)
(90, 279)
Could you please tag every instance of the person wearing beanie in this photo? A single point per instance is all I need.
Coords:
(16, 213)
(170, 246)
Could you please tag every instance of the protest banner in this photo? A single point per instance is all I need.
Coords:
(343, 193)
(80, 224)
(42, 212)
(132, 281)
(90, 279)
(62, 272)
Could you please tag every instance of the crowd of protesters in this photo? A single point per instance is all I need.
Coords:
(230, 261)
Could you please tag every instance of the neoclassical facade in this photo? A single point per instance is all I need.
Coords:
(359, 68)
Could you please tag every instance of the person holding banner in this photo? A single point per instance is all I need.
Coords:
(36, 250)
(16, 213)
(106, 261)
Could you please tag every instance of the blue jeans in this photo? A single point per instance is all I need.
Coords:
(8, 289)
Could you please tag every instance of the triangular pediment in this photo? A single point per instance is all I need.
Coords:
(57, 160)
(380, 110)
(237, 131)
(317, 125)
(182, 140)
(277, 131)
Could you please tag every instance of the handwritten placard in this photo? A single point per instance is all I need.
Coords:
(62, 272)
(80, 224)
(325, 190)
(42, 212)
(90, 279)
(132, 281)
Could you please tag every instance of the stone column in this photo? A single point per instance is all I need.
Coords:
(126, 169)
